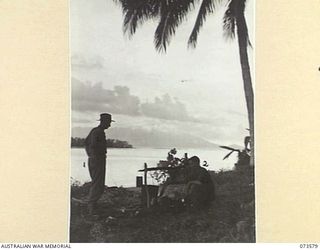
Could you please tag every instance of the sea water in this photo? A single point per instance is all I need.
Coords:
(123, 164)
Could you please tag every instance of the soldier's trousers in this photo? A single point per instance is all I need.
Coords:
(97, 170)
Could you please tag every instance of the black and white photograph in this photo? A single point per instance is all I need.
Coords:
(162, 121)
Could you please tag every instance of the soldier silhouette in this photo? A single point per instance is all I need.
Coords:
(96, 149)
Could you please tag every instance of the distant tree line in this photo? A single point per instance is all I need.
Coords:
(111, 143)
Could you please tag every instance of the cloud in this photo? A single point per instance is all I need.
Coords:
(164, 114)
(80, 62)
(93, 97)
(88, 97)
(80, 120)
(166, 108)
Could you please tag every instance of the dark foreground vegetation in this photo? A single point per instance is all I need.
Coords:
(122, 218)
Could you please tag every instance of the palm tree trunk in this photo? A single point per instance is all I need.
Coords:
(242, 33)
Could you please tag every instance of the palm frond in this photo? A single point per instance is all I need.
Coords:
(229, 148)
(229, 23)
(227, 155)
(172, 13)
(137, 12)
(207, 7)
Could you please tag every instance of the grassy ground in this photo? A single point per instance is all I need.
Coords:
(230, 218)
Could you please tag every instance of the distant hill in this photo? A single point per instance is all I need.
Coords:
(151, 138)
(111, 143)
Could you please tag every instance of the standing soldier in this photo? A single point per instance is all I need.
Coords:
(96, 149)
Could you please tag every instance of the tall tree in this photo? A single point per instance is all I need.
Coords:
(171, 13)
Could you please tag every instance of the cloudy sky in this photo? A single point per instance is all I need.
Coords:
(196, 92)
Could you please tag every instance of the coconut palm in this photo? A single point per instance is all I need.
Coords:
(171, 13)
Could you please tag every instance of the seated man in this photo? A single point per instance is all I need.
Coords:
(200, 188)
(192, 184)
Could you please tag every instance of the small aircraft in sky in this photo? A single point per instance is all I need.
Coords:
(185, 80)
